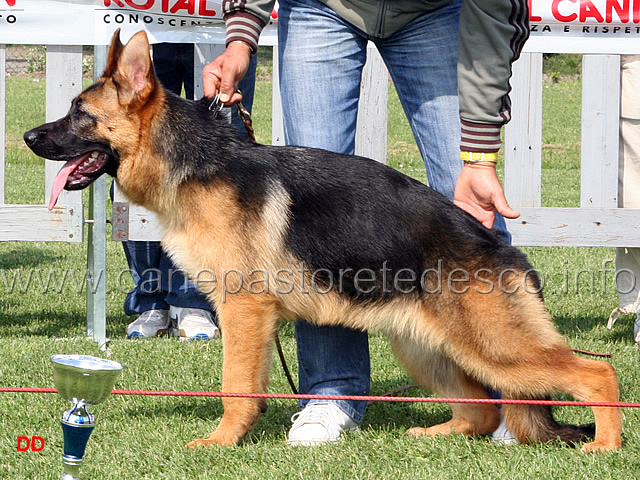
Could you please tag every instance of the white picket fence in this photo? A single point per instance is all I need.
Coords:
(597, 222)
(65, 223)
(35, 222)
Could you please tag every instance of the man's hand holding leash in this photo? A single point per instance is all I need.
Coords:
(225, 72)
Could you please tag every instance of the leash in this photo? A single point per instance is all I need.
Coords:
(245, 116)
(216, 107)
(592, 354)
(283, 362)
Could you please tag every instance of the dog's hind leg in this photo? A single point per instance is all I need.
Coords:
(518, 351)
(248, 323)
(438, 373)
(585, 380)
(597, 382)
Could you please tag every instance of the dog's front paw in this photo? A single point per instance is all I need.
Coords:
(210, 442)
(201, 442)
(600, 447)
(417, 432)
(216, 438)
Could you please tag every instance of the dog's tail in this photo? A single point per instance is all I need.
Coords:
(535, 423)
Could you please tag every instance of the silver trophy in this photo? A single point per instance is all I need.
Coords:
(82, 380)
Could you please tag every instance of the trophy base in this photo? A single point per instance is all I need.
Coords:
(71, 468)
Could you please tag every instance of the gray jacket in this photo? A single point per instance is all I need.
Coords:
(492, 33)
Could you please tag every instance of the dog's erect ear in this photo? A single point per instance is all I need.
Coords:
(113, 54)
(133, 75)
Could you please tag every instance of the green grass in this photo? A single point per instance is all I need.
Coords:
(144, 437)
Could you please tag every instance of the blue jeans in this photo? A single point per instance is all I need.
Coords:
(158, 282)
(173, 64)
(321, 61)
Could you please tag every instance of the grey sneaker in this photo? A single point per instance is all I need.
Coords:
(636, 330)
(151, 323)
(502, 435)
(193, 323)
(320, 423)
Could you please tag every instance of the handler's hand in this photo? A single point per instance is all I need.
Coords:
(478, 192)
(223, 74)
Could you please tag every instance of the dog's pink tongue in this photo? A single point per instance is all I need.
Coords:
(61, 180)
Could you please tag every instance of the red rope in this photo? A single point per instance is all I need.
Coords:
(379, 398)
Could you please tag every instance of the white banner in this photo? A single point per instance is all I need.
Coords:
(93, 22)
(557, 26)
(584, 26)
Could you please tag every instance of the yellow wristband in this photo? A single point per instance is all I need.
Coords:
(473, 157)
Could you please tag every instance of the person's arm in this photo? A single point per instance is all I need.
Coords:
(492, 33)
(244, 21)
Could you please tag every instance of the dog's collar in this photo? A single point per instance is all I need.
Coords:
(216, 105)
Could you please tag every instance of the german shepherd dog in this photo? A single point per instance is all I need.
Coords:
(290, 233)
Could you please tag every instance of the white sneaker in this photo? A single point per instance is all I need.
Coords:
(502, 434)
(636, 330)
(193, 323)
(151, 323)
(320, 423)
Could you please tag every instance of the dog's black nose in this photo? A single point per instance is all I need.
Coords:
(30, 137)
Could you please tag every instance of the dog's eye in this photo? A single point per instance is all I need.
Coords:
(80, 115)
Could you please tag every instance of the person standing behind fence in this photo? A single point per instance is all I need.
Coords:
(628, 259)
(163, 298)
(322, 50)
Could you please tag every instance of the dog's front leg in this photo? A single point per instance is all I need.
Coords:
(248, 324)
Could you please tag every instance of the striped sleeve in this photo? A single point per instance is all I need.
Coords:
(480, 137)
(492, 34)
(245, 19)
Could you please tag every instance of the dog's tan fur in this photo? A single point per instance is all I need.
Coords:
(452, 346)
